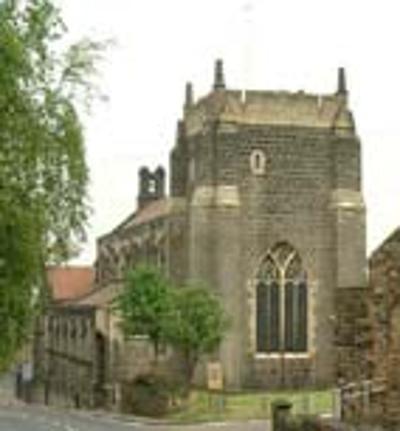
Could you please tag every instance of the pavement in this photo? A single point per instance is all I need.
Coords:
(37, 418)
(18, 416)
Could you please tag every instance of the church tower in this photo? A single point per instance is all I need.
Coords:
(275, 223)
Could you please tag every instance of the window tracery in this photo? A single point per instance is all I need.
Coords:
(281, 302)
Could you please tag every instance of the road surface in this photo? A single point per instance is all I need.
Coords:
(31, 418)
(16, 416)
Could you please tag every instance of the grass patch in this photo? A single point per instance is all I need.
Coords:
(202, 406)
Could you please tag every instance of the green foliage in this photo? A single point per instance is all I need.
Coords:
(197, 324)
(145, 304)
(147, 395)
(43, 174)
(190, 319)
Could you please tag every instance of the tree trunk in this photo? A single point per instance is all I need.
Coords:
(189, 364)
(156, 346)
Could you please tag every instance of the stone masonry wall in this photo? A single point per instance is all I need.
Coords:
(291, 200)
(369, 347)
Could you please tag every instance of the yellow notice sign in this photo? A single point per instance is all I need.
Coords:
(214, 376)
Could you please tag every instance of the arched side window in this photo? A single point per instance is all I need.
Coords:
(282, 302)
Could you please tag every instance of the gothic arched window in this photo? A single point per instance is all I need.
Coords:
(281, 302)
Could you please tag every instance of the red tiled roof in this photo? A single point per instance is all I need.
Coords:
(69, 282)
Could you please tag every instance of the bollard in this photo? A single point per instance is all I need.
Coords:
(280, 414)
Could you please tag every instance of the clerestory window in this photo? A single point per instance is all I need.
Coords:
(281, 301)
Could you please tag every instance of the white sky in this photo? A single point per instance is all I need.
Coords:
(265, 44)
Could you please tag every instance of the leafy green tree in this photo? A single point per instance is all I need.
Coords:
(190, 319)
(196, 326)
(145, 304)
(43, 173)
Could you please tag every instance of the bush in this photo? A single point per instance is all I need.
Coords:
(147, 395)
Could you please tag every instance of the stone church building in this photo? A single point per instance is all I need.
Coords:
(266, 208)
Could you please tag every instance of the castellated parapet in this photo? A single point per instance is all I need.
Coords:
(274, 108)
(270, 108)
